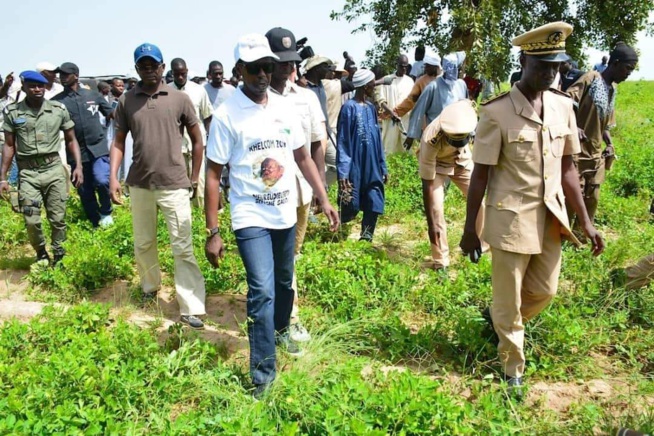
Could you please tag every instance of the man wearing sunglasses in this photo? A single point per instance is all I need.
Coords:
(444, 155)
(257, 134)
(155, 114)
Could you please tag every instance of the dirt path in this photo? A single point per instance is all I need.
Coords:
(225, 313)
(223, 328)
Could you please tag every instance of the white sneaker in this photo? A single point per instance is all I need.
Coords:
(289, 345)
(106, 221)
(298, 333)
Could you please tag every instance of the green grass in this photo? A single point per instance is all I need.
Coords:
(396, 349)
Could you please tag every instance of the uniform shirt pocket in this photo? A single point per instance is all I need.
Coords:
(502, 211)
(523, 144)
(557, 138)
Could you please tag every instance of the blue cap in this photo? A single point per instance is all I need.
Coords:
(32, 76)
(147, 50)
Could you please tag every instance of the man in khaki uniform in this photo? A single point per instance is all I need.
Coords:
(594, 95)
(444, 154)
(523, 154)
(32, 134)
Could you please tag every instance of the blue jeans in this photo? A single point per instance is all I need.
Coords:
(96, 178)
(267, 255)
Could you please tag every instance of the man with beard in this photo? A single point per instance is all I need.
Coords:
(155, 114)
(252, 126)
(523, 152)
(594, 94)
(31, 130)
(360, 160)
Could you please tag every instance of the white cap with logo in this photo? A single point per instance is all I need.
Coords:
(252, 47)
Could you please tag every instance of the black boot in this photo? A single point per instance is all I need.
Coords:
(42, 255)
(57, 258)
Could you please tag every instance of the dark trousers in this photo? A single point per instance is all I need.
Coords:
(267, 255)
(94, 192)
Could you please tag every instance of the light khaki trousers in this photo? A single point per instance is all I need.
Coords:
(300, 232)
(440, 252)
(523, 285)
(176, 209)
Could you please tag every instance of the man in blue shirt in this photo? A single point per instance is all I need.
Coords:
(85, 107)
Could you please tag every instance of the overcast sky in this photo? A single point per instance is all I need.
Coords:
(101, 40)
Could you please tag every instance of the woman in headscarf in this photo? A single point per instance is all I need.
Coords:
(440, 93)
(360, 162)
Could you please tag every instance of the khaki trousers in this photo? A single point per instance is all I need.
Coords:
(641, 274)
(523, 285)
(176, 209)
(300, 232)
(440, 252)
(198, 201)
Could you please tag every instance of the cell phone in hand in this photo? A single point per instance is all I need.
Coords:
(475, 255)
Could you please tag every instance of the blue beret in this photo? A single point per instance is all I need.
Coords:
(32, 76)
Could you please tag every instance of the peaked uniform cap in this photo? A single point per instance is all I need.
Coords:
(545, 42)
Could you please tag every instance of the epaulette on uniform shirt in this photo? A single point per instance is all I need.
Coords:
(559, 92)
(497, 97)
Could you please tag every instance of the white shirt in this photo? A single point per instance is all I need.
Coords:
(218, 95)
(309, 113)
(203, 109)
(257, 142)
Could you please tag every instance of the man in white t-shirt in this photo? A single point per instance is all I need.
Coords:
(217, 90)
(256, 133)
(203, 110)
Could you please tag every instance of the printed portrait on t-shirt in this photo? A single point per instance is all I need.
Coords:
(271, 171)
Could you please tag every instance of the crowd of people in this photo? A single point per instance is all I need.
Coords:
(286, 125)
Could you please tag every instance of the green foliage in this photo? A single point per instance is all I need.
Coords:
(483, 28)
(396, 348)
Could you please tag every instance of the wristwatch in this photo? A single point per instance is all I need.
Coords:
(212, 232)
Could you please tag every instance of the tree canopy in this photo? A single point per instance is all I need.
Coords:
(484, 28)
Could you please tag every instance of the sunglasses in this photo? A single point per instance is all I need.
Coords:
(146, 68)
(254, 68)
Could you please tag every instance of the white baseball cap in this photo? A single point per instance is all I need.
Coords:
(45, 66)
(252, 47)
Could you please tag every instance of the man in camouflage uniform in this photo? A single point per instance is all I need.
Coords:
(31, 130)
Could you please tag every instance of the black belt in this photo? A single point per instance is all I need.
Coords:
(37, 162)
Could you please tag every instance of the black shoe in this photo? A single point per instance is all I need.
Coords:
(192, 321)
(514, 385)
(259, 391)
(148, 297)
(492, 334)
(57, 258)
(42, 256)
